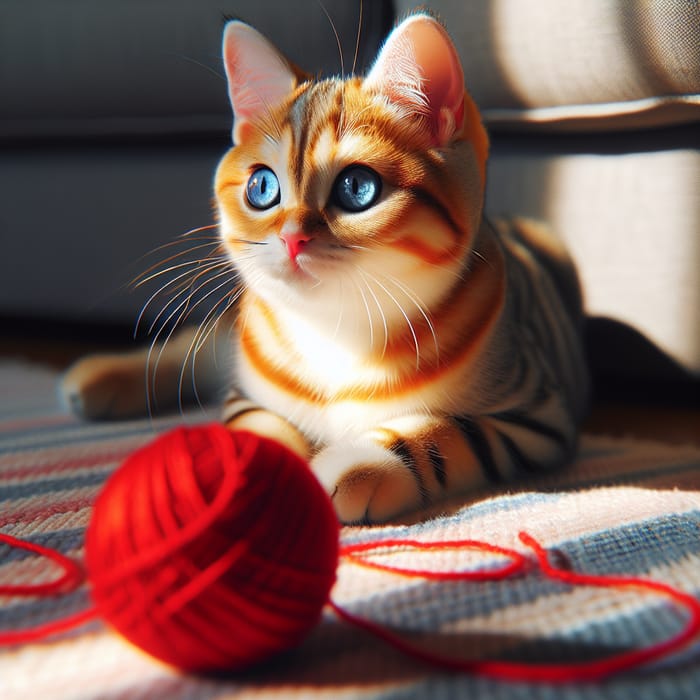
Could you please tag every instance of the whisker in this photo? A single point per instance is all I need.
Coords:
(187, 279)
(481, 256)
(337, 38)
(204, 330)
(357, 40)
(199, 229)
(151, 399)
(381, 312)
(178, 241)
(190, 287)
(247, 242)
(210, 292)
(341, 296)
(418, 303)
(182, 285)
(213, 240)
(186, 311)
(188, 283)
(369, 315)
(153, 272)
(199, 339)
(404, 314)
(243, 318)
(201, 64)
(172, 268)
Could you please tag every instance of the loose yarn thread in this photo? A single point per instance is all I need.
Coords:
(211, 553)
(516, 671)
(73, 576)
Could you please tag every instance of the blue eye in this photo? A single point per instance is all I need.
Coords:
(263, 189)
(357, 188)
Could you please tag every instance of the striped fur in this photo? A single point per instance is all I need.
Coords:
(413, 350)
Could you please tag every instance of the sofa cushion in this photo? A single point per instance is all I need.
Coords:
(89, 67)
(78, 224)
(597, 64)
(629, 213)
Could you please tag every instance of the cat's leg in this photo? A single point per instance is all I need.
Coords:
(403, 465)
(239, 413)
(410, 463)
(129, 384)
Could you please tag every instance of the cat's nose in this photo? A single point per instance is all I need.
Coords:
(295, 242)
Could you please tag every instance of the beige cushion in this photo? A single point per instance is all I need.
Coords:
(631, 218)
(578, 63)
(627, 202)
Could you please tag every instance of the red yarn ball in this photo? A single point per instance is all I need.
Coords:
(211, 549)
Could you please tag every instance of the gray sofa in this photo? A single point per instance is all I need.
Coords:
(113, 116)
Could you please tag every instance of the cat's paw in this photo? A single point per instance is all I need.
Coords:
(102, 387)
(366, 482)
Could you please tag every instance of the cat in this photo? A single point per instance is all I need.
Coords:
(412, 349)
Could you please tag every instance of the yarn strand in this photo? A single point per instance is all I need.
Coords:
(73, 575)
(50, 629)
(517, 563)
(532, 672)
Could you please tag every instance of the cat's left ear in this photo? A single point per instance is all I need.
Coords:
(419, 68)
(259, 77)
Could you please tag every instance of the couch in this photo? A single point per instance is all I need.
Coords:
(114, 115)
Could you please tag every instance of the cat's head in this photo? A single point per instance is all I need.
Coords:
(371, 187)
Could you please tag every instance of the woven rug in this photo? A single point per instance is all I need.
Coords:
(624, 507)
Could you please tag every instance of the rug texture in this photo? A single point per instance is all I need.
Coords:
(624, 507)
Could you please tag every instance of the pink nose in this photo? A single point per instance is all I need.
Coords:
(295, 241)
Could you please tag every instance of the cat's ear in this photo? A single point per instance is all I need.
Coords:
(419, 68)
(259, 77)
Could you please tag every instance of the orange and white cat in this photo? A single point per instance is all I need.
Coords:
(410, 348)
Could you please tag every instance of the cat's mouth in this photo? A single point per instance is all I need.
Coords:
(303, 269)
(319, 261)
(314, 262)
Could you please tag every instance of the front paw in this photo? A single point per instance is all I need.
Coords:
(367, 483)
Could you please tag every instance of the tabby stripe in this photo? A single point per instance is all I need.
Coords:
(237, 407)
(437, 461)
(536, 288)
(479, 445)
(523, 382)
(427, 254)
(298, 121)
(424, 196)
(536, 426)
(519, 461)
(401, 449)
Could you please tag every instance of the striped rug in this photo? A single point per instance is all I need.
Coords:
(624, 507)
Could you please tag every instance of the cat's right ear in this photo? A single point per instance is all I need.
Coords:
(259, 77)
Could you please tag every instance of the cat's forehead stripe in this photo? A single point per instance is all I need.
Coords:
(309, 117)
